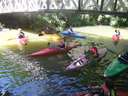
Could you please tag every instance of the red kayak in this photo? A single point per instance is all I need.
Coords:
(51, 51)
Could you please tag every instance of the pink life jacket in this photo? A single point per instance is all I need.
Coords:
(23, 41)
(115, 38)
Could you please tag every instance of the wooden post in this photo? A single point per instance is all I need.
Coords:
(48, 4)
(102, 4)
(97, 2)
(115, 5)
(79, 5)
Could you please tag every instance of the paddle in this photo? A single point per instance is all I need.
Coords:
(11, 39)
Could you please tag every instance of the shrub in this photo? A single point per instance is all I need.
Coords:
(41, 21)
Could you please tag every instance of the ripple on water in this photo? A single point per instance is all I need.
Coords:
(26, 77)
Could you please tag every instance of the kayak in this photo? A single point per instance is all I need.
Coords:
(35, 42)
(51, 51)
(83, 60)
(78, 63)
(73, 34)
(115, 68)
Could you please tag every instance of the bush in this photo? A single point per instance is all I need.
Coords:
(48, 20)
(104, 20)
(119, 22)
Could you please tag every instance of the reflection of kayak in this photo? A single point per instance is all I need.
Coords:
(23, 41)
(51, 51)
(72, 34)
(82, 61)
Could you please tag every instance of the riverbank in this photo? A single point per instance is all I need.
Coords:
(106, 31)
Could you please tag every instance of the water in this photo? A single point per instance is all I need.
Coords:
(23, 76)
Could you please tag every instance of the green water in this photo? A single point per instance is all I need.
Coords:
(25, 76)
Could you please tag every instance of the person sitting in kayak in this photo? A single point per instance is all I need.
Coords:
(21, 34)
(62, 43)
(23, 40)
(41, 33)
(94, 50)
(70, 30)
(116, 37)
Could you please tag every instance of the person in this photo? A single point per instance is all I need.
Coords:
(70, 30)
(94, 50)
(62, 43)
(1, 28)
(116, 37)
(21, 34)
(117, 32)
(41, 33)
(22, 39)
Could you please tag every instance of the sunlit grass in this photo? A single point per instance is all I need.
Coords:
(105, 31)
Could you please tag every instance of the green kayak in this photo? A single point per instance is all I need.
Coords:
(115, 68)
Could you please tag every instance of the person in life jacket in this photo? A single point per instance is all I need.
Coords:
(94, 50)
(21, 34)
(23, 40)
(116, 37)
(70, 30)
(60, 44)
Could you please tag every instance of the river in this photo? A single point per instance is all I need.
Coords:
(23, 76)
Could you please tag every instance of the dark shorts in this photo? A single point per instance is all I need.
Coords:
(62, 46)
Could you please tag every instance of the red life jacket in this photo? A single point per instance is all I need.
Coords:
(94, 50)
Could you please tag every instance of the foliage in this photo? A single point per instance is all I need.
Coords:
(104, 20)
(1, 25)
(119, 22)
(53, 21)
(59, 21)
(77, 20)
(62, 21)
